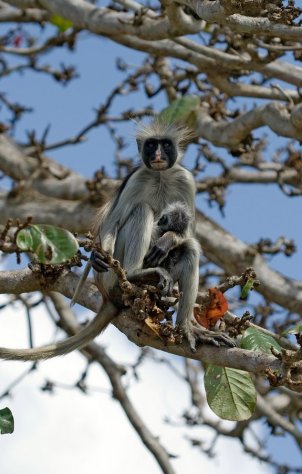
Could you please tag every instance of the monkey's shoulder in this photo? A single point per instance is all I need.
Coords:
(125, 181)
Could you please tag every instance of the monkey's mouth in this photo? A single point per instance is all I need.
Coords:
(159, 164)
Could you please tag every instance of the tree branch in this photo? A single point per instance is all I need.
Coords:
(20, 281)
(230, 134)
(214, 12)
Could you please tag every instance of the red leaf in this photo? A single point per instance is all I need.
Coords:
(216, 309)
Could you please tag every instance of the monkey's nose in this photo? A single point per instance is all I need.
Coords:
(158, 156)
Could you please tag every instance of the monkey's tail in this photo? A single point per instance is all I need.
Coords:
(103, 317)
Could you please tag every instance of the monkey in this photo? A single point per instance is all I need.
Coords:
(169, 237)
(171, 243)
(124, 227)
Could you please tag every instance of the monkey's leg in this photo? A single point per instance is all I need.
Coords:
(136, 234)
(186, 272)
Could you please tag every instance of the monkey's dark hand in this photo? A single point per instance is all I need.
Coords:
(97, 262)
(195, 333)
(160, 249)
(155, 256)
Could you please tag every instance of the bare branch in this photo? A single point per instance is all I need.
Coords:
(231, 134)
(226, 13)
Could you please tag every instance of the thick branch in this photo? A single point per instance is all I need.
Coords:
(20, 281)
(242, 89)
(230, 134)
(44, 175)
(9, 14)
(213, 12)
(104, 21)
(77, 216)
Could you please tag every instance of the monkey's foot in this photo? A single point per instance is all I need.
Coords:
(165, 284)
(97, 262)
(197, 334)
(158, 277)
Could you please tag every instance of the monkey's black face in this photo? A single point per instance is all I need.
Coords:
(159, 154)
(175, 221)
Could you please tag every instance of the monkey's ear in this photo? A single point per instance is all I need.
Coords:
(139, 145)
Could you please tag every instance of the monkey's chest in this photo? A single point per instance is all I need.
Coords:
(159, 195)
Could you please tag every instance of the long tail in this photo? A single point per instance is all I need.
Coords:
(104, 316)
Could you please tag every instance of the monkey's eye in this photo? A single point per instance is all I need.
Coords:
(151, 144)
(163, 220)
(166, 144)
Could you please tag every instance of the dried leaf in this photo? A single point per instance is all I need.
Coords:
(216, 309)
(155, 327)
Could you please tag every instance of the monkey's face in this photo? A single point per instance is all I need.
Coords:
(175, 221)
(159, 154)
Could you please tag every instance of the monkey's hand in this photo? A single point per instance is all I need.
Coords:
(159, 251)
(195, 334)
(155, 256)
(97, 262)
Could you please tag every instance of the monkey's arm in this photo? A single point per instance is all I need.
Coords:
(108, 238)
(160, 249)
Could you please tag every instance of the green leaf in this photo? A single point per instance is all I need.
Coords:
(181, 110)
(61, 23)
(297, 329)
(230, 393)
(50, 244)
(255, 340)
(247, 287)
(6, 421)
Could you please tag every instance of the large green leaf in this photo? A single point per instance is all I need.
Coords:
(255, 340)
(6, 421)
(181, 110)
(50, 244)
(230, 393)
